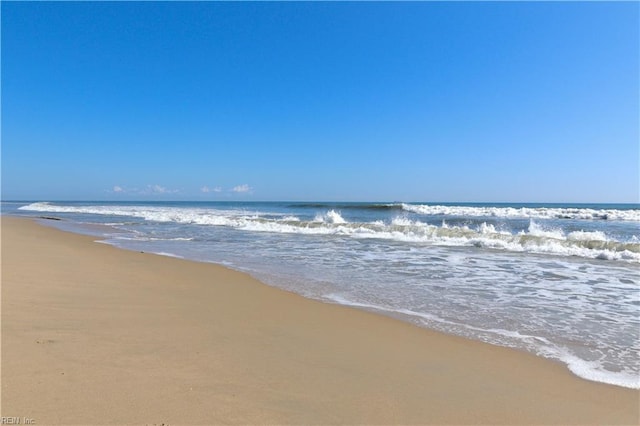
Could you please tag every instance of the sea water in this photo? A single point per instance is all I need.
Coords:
(561, 281)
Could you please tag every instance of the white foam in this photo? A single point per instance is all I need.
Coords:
(455, 211)
(589, 370)
(536, 239)
(587, 236)
(526, 212)
(331, 216)
(538, 231)
(164, 253)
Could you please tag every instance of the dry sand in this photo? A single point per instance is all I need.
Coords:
(92, 334)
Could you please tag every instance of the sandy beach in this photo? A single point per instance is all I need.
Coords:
(92, 334)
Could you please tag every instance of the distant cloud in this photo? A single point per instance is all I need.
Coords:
(148, 190)
(206, 189)
(241, 188)
(157, 189)
(238, 189)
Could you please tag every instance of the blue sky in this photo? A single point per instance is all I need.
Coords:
(414, 101)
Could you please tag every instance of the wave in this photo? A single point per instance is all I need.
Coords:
(535, 239)
(578, 213)
(583, 213)
(589, 370)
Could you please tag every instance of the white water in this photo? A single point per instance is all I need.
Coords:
(536, 239)
(526, 212)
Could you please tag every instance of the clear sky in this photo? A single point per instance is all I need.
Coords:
(415, 101)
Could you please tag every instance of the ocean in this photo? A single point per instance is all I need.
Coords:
(560, 281)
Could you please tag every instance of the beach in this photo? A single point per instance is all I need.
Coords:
(93, 334)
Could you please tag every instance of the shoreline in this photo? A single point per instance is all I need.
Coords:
(95, 334)
(575, 365)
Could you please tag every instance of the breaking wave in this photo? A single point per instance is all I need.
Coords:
(582, 213)
(535, 239)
